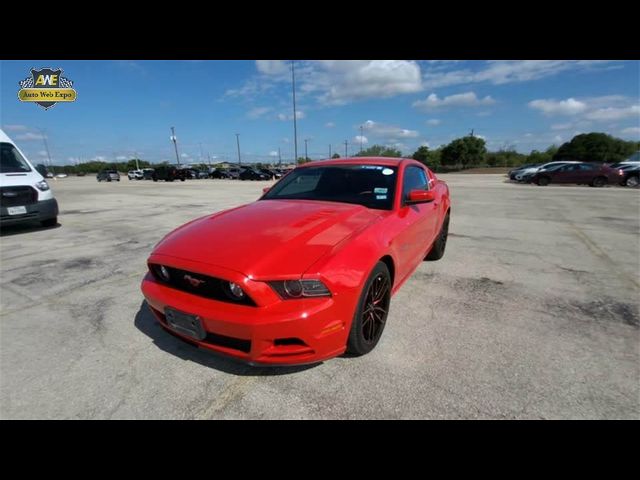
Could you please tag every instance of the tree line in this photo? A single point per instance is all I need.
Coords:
(465, 152)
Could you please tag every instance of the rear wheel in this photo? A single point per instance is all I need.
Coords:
(371, 312)
(544, 181)
(437, 251)
(599, 182)
(633, 181)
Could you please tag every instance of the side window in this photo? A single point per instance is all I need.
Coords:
(414, 179)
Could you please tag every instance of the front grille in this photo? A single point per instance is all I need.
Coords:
(210, 287)
(16, 196)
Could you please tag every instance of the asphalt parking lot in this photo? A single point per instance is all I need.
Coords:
(532, 313)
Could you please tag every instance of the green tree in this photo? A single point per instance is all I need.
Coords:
(335, 155)
(466, 151)
(422, 154)
(595, 147)
(379, 151)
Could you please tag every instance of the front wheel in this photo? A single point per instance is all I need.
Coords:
(437, 251)
(371, 312)
(633, 181)
(599, 182)
(544, 181)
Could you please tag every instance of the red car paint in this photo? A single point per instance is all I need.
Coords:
(337, 243)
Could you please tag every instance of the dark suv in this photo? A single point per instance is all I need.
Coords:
(168, 174)
(108, 176)
(250, 174)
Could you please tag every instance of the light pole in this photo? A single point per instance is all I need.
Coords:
(175, 144)
(295, 124)
(279, 157)
(329, 150)
(46, 146)
(361, 138)
(306, 157)
(238, 142)
(346, 142)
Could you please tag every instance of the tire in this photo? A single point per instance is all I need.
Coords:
(367, 325)
(182, 179)
(155, 179)
(599, 182)
(544, 181)
(49, 222)
(633, 181)
(437, 251)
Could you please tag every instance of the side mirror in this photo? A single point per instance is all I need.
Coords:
(420, 196)
(266, 189)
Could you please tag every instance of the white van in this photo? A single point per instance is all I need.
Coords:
(25, 195)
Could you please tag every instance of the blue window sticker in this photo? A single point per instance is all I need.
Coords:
(387, 171)
(380, 190)
(381, 197)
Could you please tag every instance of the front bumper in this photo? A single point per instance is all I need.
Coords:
(288, 332)
(38, 212)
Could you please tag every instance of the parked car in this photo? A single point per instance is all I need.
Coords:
(108, 176)
(219, 173)
(135, 175)
(147, 173)
(251, 174)
(234, 172)
(630, 175)
(306, 272)
(81, 174)
(512, 173)
(592, 174)
(525, 175)
(168, 173)
(25, 195)
(61, 175)
(272, 174)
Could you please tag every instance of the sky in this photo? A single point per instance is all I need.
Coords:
(128, 107)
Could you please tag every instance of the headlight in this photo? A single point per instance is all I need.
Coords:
(291, 289)
(43, 186)
(160, 271)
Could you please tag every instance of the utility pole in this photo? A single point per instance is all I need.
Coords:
(200, 152)
(175, 144)
(279, 157)
(306, 157)
(345, 148)
(360, 138)
(137, 165)
(209, 158)
(329, 150)
(238, 142)
(295, 124)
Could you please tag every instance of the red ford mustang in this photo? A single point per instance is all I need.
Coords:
(306, 272)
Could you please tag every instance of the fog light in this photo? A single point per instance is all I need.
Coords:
(236, 290)
(164, 273)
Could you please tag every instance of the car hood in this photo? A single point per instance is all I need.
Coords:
(267, 238)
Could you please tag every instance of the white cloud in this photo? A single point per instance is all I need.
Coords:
(42, 153)
(631, 131)
(614, 113)
(273, 153)
(184, 155)
(329, 124)
(388, 131)
(299, 116)
(272, 67)
(15, 128)
(558, 138)
(29, 136)
(528, 135)
(570, 106)
(424, 143)
(357, 139)
(121, 157)
(434, 121)
(467, 99)
(508, 71)
(258, 112)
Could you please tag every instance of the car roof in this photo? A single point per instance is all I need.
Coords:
(385, 161)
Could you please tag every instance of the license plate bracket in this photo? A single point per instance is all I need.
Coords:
(17, 210)
(185, 323)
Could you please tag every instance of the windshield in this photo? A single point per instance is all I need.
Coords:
(11, 161)
(372, 186)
